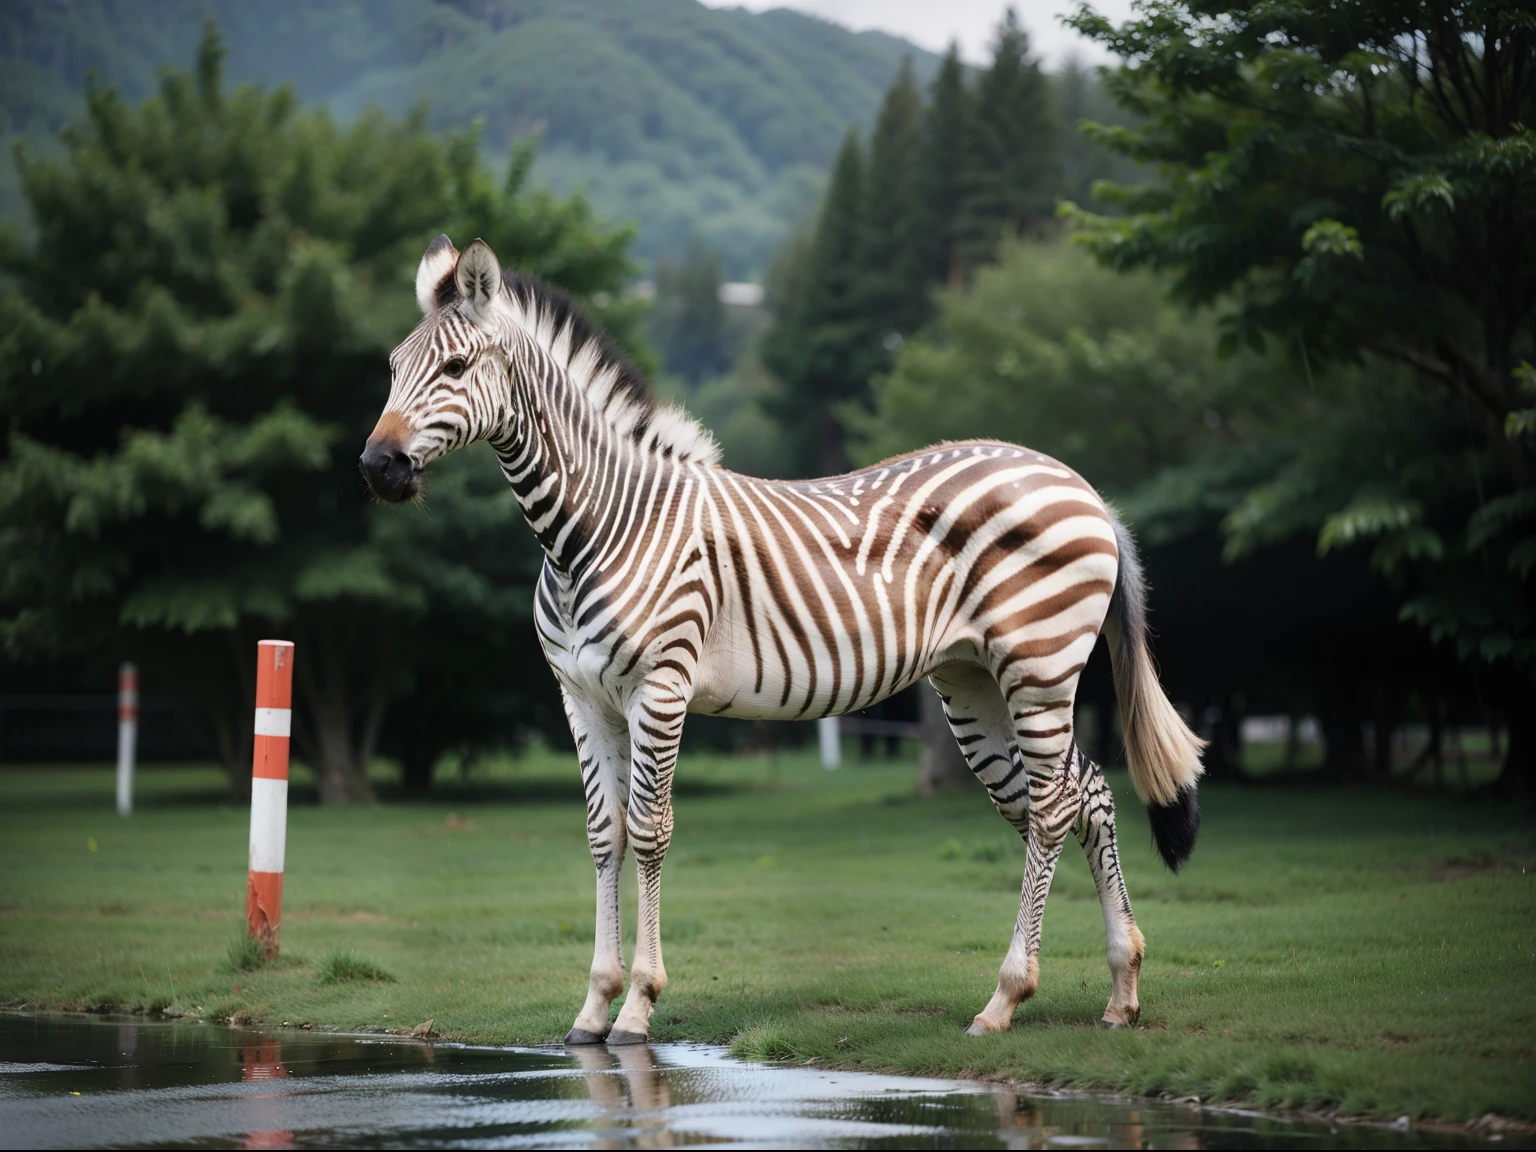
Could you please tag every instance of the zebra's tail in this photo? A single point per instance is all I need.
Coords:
(1164, 755)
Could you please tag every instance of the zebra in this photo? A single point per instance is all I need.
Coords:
(671, 585)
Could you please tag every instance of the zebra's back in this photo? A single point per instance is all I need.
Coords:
(836, 593)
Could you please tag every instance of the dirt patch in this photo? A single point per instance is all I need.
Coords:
(1464, 869)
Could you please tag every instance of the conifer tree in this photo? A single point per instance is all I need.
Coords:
(821, 349)
(1013, 165)
(893, 289)
(946, 133)
(688, 321)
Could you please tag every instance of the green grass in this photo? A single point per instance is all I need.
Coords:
(341, 965)
(1326, 949)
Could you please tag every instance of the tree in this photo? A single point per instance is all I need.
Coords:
(893, 289)
(194, 352)
(1082, 96)
(1360, 182)
(1013, 167)
(1047, 349)
(688, 321)
(822, 347)
(947, 127)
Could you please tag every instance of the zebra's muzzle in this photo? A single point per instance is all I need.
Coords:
(391, 475)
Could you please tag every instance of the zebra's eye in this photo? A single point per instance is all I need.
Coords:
(454, 368)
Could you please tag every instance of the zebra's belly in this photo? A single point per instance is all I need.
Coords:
(732, 681)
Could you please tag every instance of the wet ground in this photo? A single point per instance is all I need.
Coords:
(69, 1081)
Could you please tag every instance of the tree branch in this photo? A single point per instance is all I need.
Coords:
(1461, 377)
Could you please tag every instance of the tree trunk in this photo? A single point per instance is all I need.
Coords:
(941, 765)
(343, 778)
(1517, 780)
(1383, 726)
(230, 717)
(1292, 755)
(1344, 746)
(339, 698)
(1225, 732)
(233, 740)
(419, 745)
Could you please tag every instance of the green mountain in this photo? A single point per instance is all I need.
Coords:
(687, 120)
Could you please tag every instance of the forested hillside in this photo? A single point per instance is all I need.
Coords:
(685, 119)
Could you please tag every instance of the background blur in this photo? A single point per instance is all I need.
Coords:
(1267, 279)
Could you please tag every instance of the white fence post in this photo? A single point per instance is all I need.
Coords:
(831, 747)
(127, 735)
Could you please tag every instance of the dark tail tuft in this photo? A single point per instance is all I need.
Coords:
(1175, 826)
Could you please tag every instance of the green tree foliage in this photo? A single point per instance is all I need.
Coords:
(894, 288)
(693, 120)
(943, 184)
(1082, 97)
(688, 321)
(1013, 169)
(190, 363)
(1359, 183)
(941, 175)
(823, 346)
(1046, 349)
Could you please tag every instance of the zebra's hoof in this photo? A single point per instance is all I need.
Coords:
(582, 1036)
(1120, 1018)
(617, 1037)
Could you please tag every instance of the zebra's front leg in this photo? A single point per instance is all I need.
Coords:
(602, 747)
(1054, 801)
(1096, 833)
(656, 727)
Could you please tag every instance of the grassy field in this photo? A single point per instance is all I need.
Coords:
(1371, 953)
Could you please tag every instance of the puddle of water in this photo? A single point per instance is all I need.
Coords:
(68, 1081)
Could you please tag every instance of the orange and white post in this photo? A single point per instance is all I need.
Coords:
(127, 735)
(269, 792)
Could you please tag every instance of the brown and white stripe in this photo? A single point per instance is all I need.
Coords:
(674, 586)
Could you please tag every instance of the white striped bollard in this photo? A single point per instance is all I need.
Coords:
(269, 792)
(127, 735)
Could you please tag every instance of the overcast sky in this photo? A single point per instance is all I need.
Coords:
(933, 24)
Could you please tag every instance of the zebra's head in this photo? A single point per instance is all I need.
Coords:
(448, 377)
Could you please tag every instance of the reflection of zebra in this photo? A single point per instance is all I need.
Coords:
(674, 586)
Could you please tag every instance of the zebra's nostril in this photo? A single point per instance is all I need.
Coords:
(389, 471)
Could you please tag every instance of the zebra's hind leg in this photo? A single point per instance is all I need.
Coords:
(985, 731)
(1018, 742)
(1095, 831)
(1053, 806)
(602, 747)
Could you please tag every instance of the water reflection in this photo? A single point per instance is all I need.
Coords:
(72, 1081)
(264, 1061)
(632, 1093)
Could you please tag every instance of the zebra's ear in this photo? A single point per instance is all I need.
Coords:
(434, 276)
(478, 276)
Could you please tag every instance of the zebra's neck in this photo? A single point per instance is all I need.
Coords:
(573, 474)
